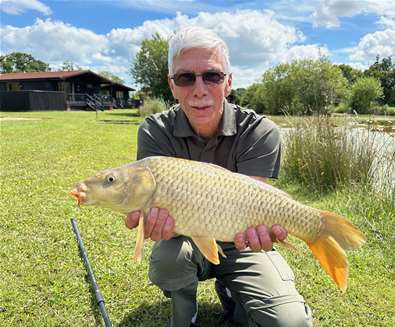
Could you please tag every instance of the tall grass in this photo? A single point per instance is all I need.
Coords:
(152, 106)
(323, 157)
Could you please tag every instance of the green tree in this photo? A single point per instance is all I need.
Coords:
(304, 86)
(69, 66)
(235, 95)
(350, 73)
(318, 84)
(384, 71)
(252, 98)
(363, 92)
(278, 91)
(149, 68)
(111, 76)
(21, 62)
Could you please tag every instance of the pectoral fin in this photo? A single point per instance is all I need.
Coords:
(138, 250)
(208, 247)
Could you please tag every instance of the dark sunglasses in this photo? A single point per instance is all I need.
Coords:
(188, 78)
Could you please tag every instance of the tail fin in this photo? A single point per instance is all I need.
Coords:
(335, 235)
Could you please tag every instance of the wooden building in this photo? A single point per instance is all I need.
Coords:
(61, 90)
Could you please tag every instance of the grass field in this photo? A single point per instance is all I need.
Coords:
(42, 278)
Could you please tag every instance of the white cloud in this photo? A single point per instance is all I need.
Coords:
(328, 12)
(380, 43)
(54, 41)
(16, 7)
(257, 41)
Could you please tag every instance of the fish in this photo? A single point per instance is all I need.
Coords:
(210, 203)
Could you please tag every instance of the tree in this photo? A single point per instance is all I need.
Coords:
(384, 71)
(252, 98)
(304, 86)
(150, 70)
(235, 95)
(111, 76)
(278, 91)
(363, 92)
(69, 66)
(21, 62)
(350, 73)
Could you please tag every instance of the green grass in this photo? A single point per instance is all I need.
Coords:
(43, 281)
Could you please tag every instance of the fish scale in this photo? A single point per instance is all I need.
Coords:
(224, 202)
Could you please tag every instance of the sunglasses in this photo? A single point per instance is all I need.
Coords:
(189, 79)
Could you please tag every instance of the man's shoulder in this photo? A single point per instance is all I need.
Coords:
(164, 119)
(248, 118)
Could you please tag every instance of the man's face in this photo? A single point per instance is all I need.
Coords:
(201, 102)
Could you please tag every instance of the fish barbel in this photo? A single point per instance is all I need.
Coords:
(210, 203)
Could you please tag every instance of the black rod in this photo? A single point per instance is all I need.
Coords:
(92, 279)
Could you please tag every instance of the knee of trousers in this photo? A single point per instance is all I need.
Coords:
(291, 314)
(173, 264)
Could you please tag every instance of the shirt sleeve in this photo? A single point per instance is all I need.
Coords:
(260, 149)
(152, 140)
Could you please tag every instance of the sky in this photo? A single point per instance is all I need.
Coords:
(105, 35)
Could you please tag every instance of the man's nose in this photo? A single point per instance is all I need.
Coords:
(200, 87)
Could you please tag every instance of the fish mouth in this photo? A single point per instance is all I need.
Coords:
(79, 194)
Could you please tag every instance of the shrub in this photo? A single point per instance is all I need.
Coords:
(341, 108)
(152, 106)
(383, 110)
(363, 92)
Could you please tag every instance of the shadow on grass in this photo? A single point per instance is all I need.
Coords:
(131, 114)
(119, 121)
(157, 314)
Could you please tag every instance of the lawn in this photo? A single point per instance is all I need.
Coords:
(42, 278)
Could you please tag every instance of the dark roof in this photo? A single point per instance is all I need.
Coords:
(56, 75)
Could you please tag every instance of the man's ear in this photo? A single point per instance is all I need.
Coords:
(228, 86)
(171, 85)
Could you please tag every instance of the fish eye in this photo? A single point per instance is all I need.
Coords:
(110, 178)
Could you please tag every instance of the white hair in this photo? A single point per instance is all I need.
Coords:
(196, 37)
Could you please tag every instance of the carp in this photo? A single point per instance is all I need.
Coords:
(209, 203)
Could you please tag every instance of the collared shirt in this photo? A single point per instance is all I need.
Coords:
(245, 142)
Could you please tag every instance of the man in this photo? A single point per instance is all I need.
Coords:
(256, 288)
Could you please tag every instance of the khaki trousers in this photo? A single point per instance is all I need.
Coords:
(261, 283)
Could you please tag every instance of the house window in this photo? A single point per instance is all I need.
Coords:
(119, 94)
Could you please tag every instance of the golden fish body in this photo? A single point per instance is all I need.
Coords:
(207, 200)
(210, 203)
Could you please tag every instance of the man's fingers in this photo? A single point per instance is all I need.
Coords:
(150, 222)
(253, 239)
(156, 233)
(132, 219)
(168, 228)
(265, 240)
(278, 233)
(240, 241)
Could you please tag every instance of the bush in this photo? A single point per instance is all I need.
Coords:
(341, 108)
(323, 157)
(363, 92)
(152, 106)
(383, 110)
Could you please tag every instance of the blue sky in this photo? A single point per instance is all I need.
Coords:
(106, 35)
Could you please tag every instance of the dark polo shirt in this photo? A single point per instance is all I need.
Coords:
(246, 142)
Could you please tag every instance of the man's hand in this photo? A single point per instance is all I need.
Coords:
(260, 237)
(158, 225)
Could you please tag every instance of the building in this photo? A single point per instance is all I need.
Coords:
(82, 89)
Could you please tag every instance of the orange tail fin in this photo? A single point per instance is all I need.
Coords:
(335, 235)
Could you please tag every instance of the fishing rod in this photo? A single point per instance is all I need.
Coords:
(92, 279)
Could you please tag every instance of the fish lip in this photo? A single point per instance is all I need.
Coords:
(79, 196)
